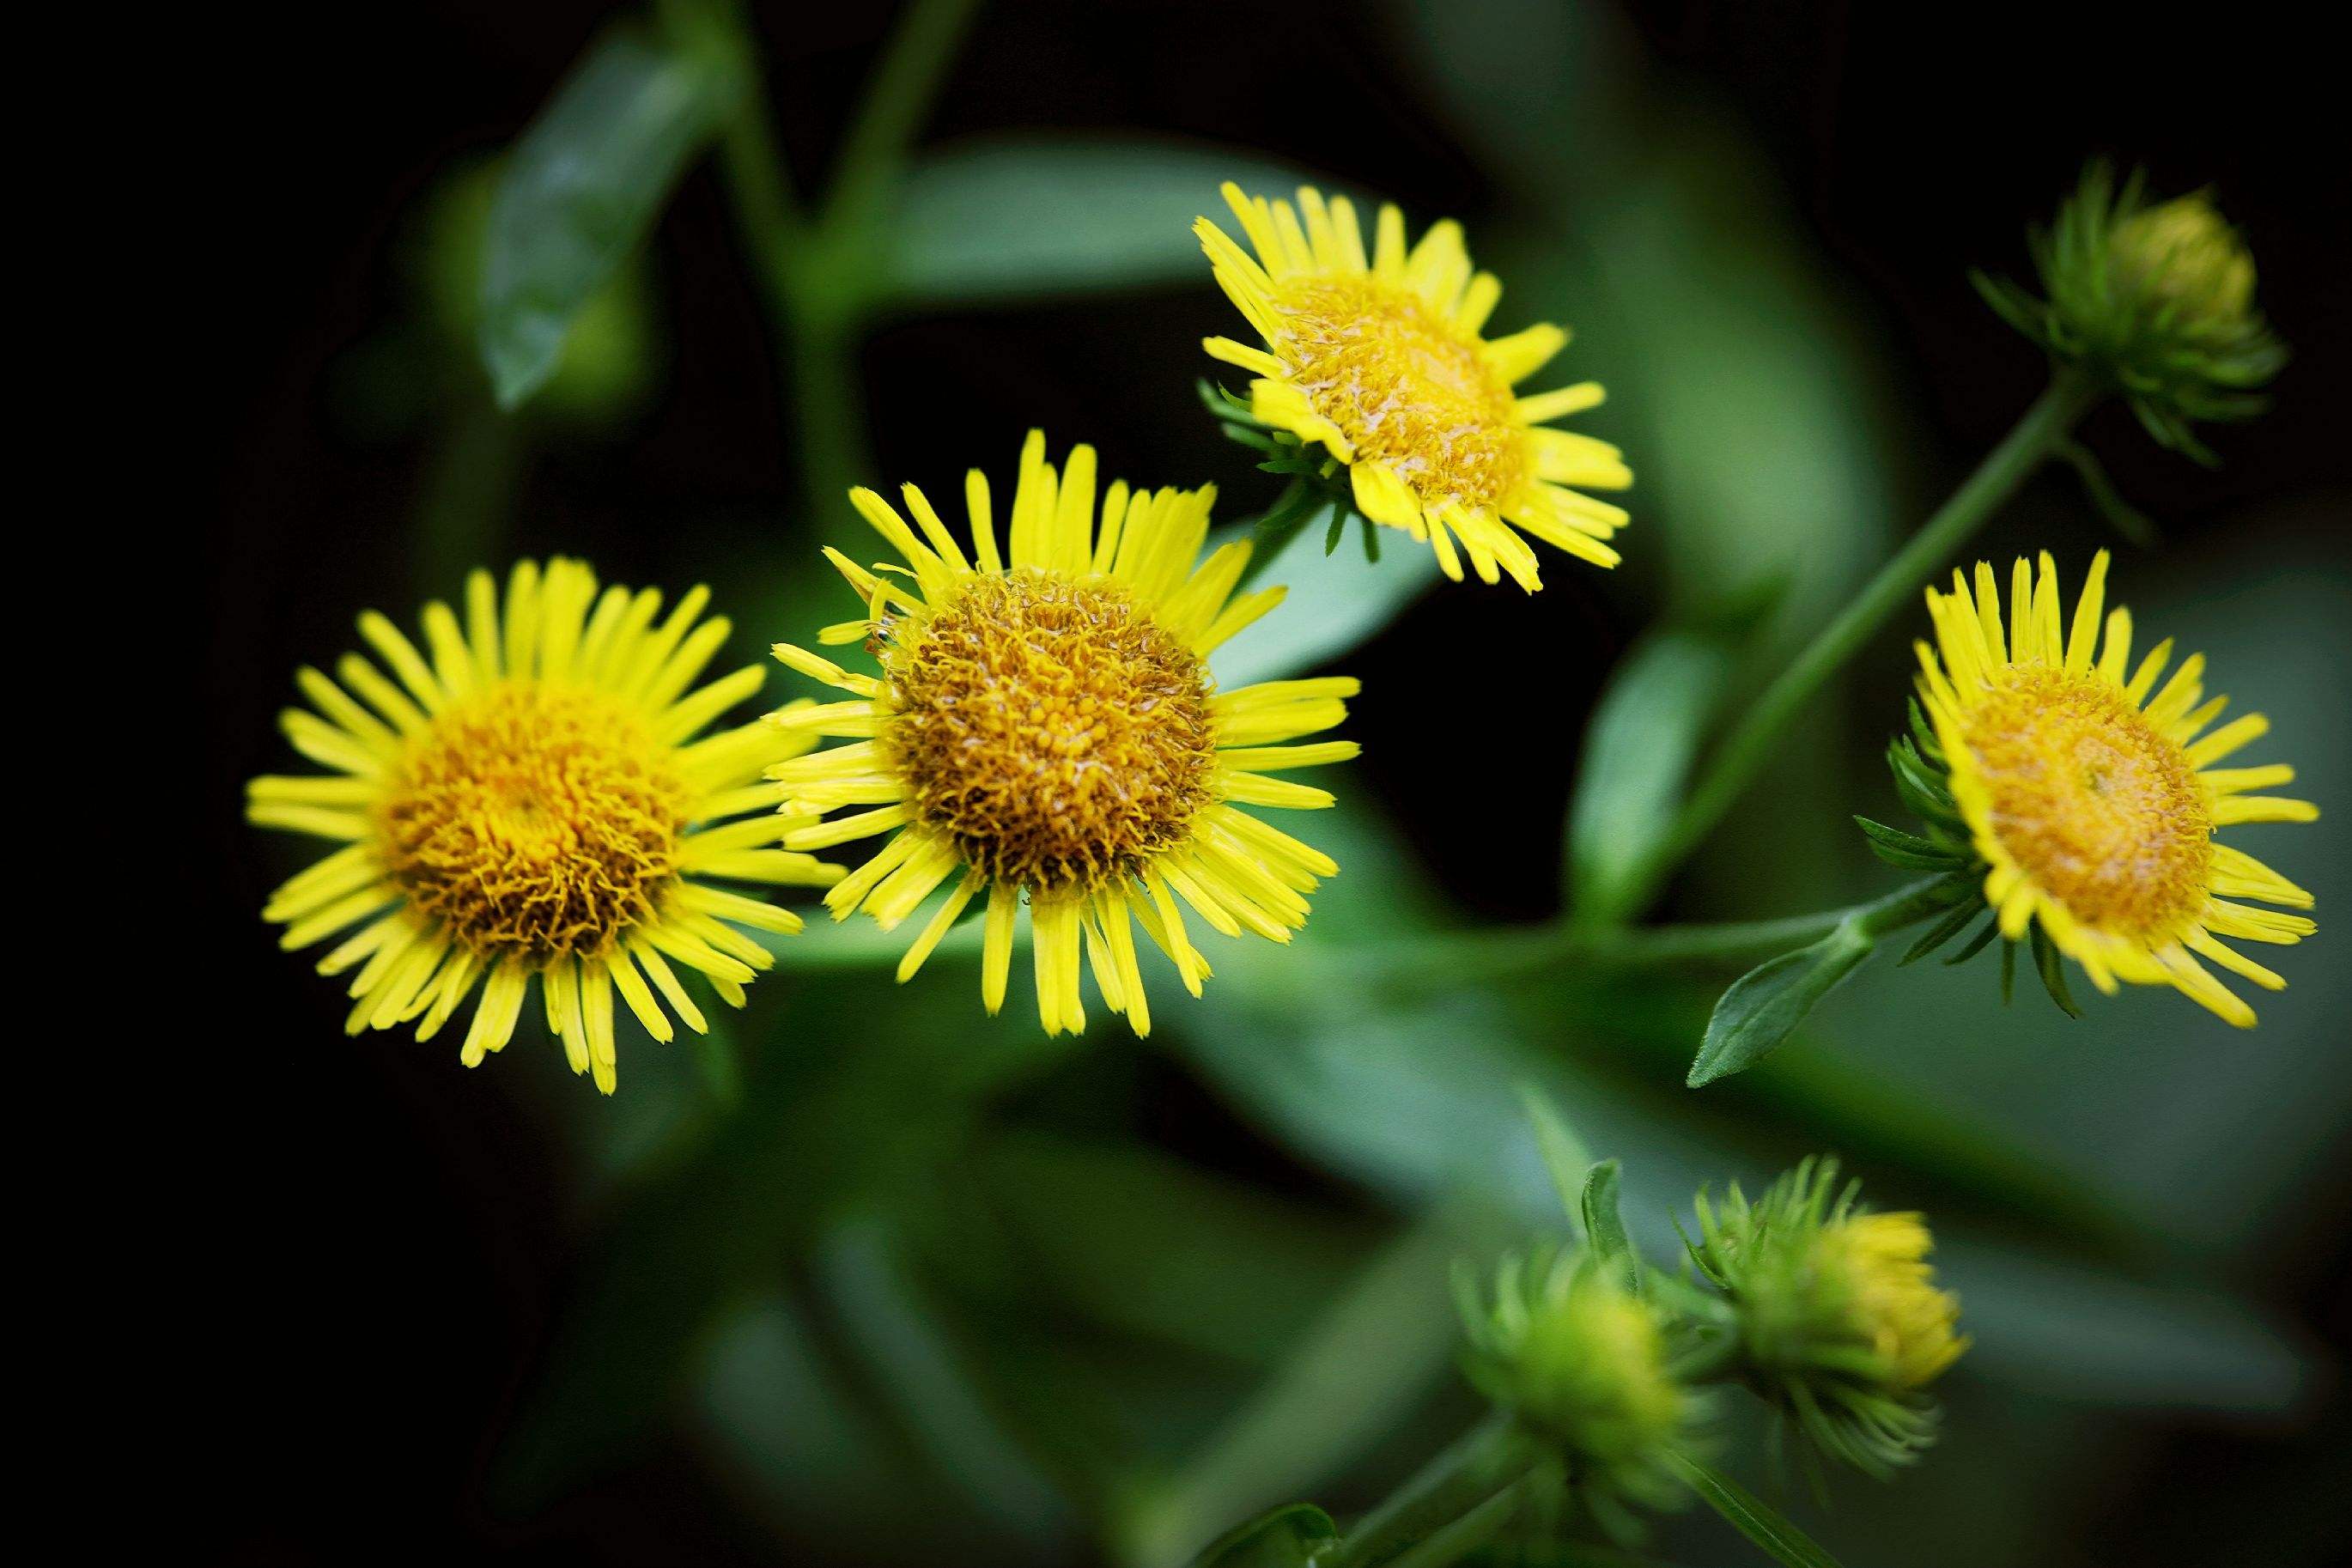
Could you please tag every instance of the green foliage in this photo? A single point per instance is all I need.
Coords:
(582, 189)
(1041, 218)
(1764, 1006)
(1638, 748)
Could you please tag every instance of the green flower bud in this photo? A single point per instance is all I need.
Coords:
(1582, 1366)
(2182, 256)
(2156, 300)
(1837, 1315)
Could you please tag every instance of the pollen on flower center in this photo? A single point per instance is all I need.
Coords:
(1056, 731)
(2097, 807)
(1407, 390)
(534, 821)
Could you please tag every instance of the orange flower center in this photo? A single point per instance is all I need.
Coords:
(1056, 731)
(1411, 391)
(535, 821)
(2102, 811)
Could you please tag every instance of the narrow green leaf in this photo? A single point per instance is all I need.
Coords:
(1288, 1537)
(583, 188)
(1751, 1516)
(1975, 943)
(1035, 217)
(1605, 1227)
(1908, 850)
(1563, 1152)
(2052, 966)
(1942, 932)
(1767, 1003)
(1636, 760)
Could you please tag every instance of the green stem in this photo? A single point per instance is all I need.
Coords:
(873, 154)
(1475, 956)
(1456, 1504)
(828, 394)
(1735, 763)
(468, 501)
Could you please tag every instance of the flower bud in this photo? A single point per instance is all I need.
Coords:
(1581, 1365)
(2183, 257)
(2154, 300)
(1838, 1317)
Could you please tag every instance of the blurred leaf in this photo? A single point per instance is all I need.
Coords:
(1605, 1227)
(1336, 603)
(2051, 1324)
(581, 190)
(720, 1214)
(1751, 1516)
(1289, 1537)
(908, 1352)
(1635, 761)
(1767, 1003)
(1322, 1407)
(1563, 1154)
(1031, 219)
(1151, 1246)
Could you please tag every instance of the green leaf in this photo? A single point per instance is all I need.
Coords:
(1031, 219)
(1563, 1152)
(2052, 966)
(1289, 1537)
(581, 190)
(1751, 1516)
(1908, 850)
(1605, 1227)
(1335, 604)
(1767, 1003)
(1942, 932)
(1636, 758)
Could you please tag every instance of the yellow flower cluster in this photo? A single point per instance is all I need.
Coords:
(528, 800)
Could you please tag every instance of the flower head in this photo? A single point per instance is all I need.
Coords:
(2156, 300)
(1839, 1318)
(530, 802)
(1581, 1364)
(1045, 729)
(2090, 792)
(1381, 360)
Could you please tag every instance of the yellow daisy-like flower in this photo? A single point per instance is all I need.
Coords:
(1381, 360)
(529, 801)
(2091, 792)
(1878, 1263)
(1046, 725)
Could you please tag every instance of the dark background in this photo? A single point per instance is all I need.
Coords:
(383, 1247)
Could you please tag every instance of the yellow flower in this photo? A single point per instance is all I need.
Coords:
(1046, 725)
(2092, 795)
(1878, 1263)
(531, 802)
(1381, 360)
